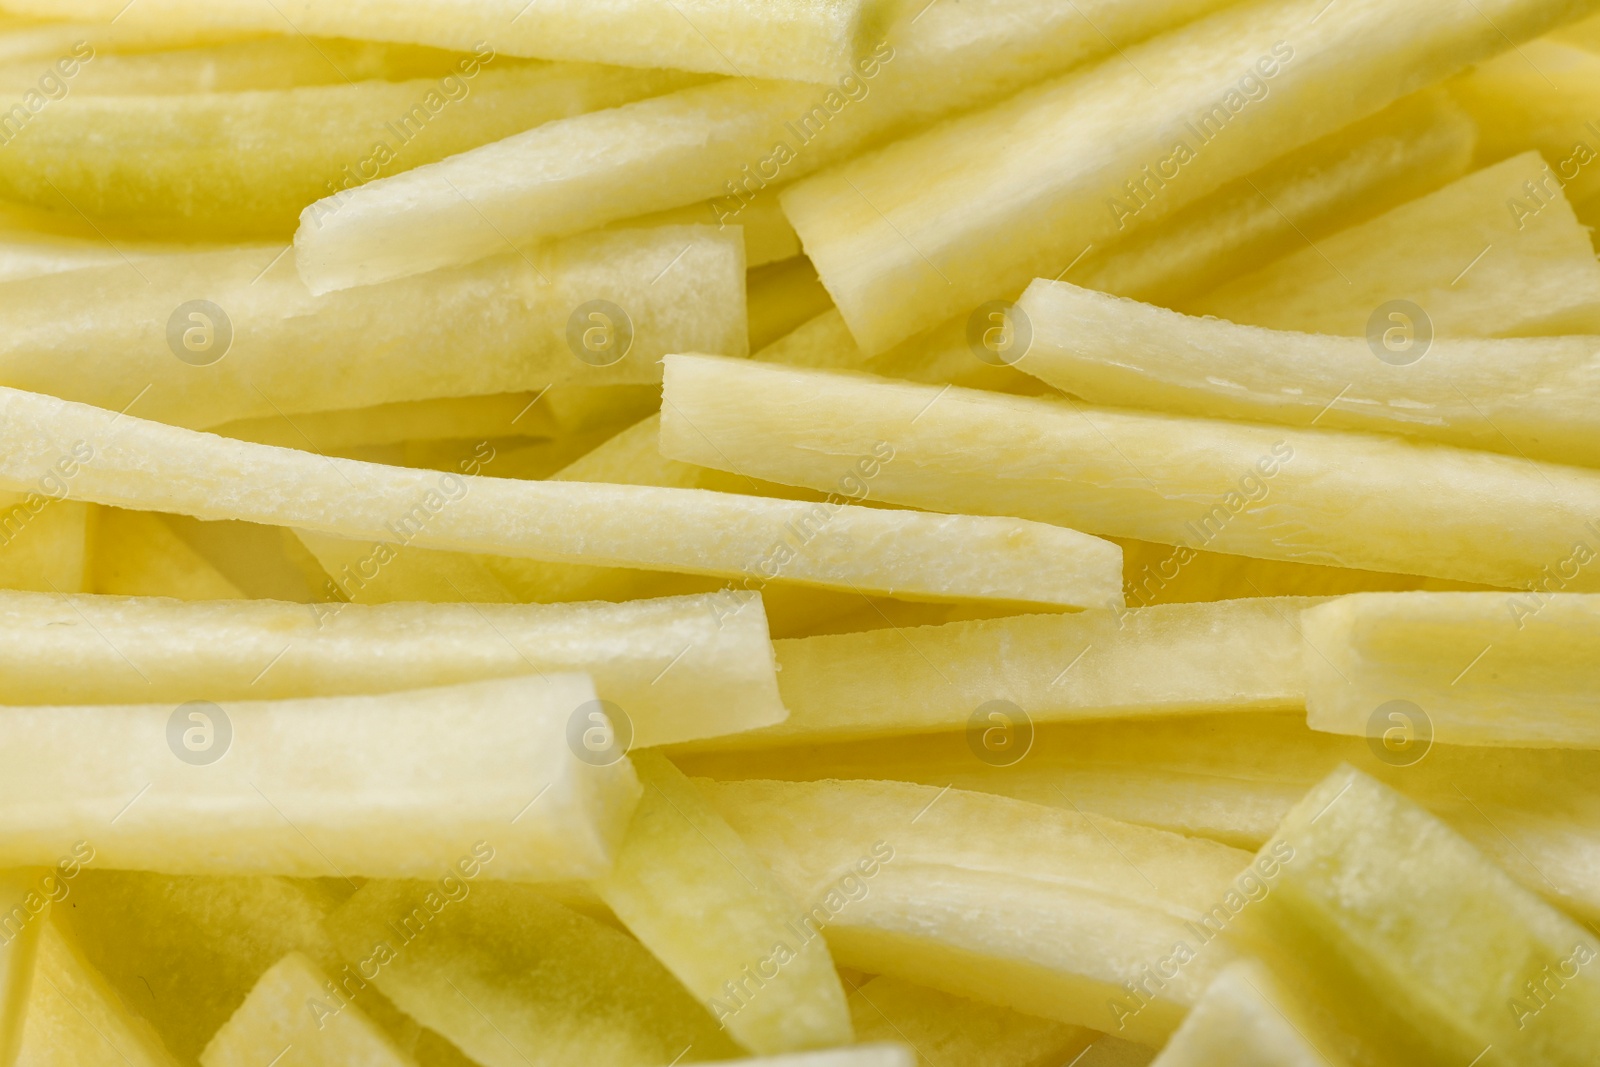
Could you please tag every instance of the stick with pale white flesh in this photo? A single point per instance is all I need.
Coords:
(1508, 395)
(212, 165)
(379, 786)
(1079, 162)
(1309, 496)
(253, 62)
(281, 1012)
(1472, 267)
(1409, 937)
(1233, 778)
(515, 979)
(75, 1016)
(208, 338)
(1032, 908)
(654, 659)
(1498, 669)
(697, 897)
(1407, 150)
(1176, 659)
(791, 39)
(123, 461)
(732, 140)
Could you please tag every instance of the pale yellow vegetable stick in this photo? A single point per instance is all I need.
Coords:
(120, 460)
(948, 1031)
(1481, 271)
(1516, 109)
(1427, 951)
(25, 911)
(1508, 395)
(269, 62)
(1232, 778)
(374, 786)
(656, 660)
(1076, 163)
(31, 38)
(1178, 659)
(1310, 496)
(708, 908)
(1247, 1018)
(218, 165)
(1410, 148)
(75, 1017)
(43, 542)
(135, 553)
(1500, 669)
(514, 979)
(734, 140)
(185, 951)
(210, 338)
(794, 39)
(279, 1014)
(1035, 909)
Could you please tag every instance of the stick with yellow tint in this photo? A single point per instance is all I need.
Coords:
(654, 659)
(376, 786)
(927, 885)
(1232, 778)
(733, 142)
(266, 154)
(697, 897)
(74, 1015)
(211, 337)
(791, 39)
(514, 979)
(1080, 162)
(1473, 268)
(1310, 496)
(275, 1016)
(1424, 952)
(1497, 669)
(1006, 674)
(1507, 395)
(120, 460)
